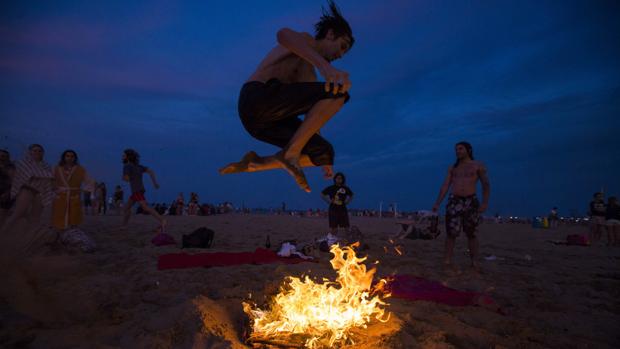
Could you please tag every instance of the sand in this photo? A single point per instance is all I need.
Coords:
(558, 297)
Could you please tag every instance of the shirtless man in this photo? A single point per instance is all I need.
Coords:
(463, 208)
(285, 86)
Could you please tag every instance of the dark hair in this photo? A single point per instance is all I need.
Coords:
(612, 200)
(468, 147)
(62, 157)
(132, 156)
(333, 20)
(32, 146)
(340, 174)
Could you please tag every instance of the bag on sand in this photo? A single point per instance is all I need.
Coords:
(200, 238)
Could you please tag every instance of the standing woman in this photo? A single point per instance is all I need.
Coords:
(32, 185)
(70, 180)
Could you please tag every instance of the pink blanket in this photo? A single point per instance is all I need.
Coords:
(419, 289)
(222, 259)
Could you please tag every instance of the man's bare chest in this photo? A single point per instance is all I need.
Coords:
(294, 70)
(465, 173)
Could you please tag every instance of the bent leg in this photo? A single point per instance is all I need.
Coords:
(127, 211)
(320, 113)
(153, 213)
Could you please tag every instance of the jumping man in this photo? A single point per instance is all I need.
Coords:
(285, 86)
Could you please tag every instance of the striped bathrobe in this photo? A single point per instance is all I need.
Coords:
(33, 175)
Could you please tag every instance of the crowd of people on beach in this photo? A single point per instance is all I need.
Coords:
(30, 184)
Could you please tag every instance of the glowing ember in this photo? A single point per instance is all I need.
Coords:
(398, 250)
(323, 312)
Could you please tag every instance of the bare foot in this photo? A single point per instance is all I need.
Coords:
(244, 165)
(292, 168)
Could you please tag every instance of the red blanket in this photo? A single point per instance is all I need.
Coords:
(419, 289)
(221, 259)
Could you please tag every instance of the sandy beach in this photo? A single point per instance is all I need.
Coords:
(552, 296)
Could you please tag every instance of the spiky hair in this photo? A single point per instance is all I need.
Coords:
(333, 20)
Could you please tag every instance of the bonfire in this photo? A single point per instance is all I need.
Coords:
(322, 314)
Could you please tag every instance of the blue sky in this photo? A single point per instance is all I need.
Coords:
(533, 85)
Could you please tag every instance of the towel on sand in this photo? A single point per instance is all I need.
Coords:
(419, 289)
(222, 259)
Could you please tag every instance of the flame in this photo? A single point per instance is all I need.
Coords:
(324, 312)
(398, 250)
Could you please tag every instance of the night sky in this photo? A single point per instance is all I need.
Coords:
(533, 85)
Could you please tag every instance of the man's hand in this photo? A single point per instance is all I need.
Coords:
(483, 207)
(328, 171)
(337, 78)
(435, 207)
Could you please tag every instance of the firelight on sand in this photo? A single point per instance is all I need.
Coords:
(323, 313)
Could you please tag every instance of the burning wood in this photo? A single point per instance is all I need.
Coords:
(321, 314)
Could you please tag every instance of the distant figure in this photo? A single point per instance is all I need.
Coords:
(7, 171)
(101, 194)
(554, 220)
(31, 185)
(338, 196)
(87, 202)
(463, 210)
(285, 86)
(94, 200)
(598, 210)
(132, 173)
(71, 180)
(192, 207)
(612, 216)
(180, 205)
(118, 198)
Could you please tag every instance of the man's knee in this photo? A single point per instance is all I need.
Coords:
(341, 99)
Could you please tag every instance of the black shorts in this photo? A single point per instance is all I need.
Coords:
(270, 113)
(338, 216)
